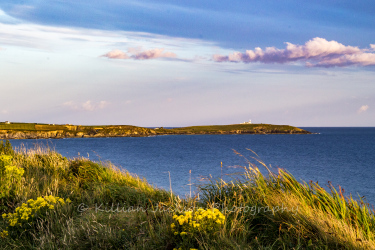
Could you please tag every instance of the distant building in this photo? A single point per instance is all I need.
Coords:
(249, 122)
(7, 122)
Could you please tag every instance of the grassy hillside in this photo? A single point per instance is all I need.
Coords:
(65, 127)
(106, 129)
(236, 129)
(50, 202)
(38, 131)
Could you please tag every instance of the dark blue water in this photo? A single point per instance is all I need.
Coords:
(344, 156)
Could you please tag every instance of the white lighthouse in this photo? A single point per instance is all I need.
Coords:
(249, 122)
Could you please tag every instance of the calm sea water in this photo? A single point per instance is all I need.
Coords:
(344, 156)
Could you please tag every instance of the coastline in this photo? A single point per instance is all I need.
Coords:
(48, 131)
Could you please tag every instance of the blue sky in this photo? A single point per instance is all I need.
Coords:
(179, 63)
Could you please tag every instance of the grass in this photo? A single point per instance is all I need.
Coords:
(18, 126)
(234, 128)
(114, 209)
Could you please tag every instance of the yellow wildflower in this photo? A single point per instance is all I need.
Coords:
(4, 234)
(31, 208)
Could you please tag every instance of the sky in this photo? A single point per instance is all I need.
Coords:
(181, 63)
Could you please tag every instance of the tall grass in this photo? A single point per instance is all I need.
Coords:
(291, 213)
(113, 209)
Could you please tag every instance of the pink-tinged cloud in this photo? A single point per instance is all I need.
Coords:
(317, 52)
(154, 53)
(362, 109)
(140, 55)
(116, 54)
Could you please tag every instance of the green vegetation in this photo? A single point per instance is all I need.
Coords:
(65, 127)
(18, 126)
(36, 130)
(236, 129)
(6, 148)
(51, 202)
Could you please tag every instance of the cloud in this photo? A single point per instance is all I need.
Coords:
(116, 54)
(317, 52)
(5, 18)
(362, 109)
(86, 106)
(140, 55)
(54, 39)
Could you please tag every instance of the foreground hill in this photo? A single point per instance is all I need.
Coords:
(40, 131)
(48, 201)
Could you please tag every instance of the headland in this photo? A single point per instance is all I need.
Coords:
(58, 131)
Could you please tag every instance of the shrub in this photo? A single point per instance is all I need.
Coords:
(190, 226)
(6, 148)
(10, 176)
(28, 212)
(5, 160)
(87, 171)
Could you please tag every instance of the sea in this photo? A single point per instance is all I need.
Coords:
(343, 156)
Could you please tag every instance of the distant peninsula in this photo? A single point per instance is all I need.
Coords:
(10, 130)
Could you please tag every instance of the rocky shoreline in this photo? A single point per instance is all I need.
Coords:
(60, 134)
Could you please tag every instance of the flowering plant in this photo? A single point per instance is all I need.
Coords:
(25, 214)
(10, 176)
(190, 225)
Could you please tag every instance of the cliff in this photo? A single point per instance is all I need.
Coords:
(71, 131)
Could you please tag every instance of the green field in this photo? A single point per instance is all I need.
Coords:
(18, 126)
(51, 127)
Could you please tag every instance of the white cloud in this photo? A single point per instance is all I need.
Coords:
(317, 52)
(86, 106)
(70, 104)
(363, 108)
(49, 38)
